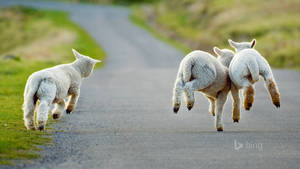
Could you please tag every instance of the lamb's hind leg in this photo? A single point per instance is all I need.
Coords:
(273, 91)
(189, 99)
(190, 87)
(59, 109)
(28, 108)
(236, 103)
(248, 93)
(177, 91)
(46, 93)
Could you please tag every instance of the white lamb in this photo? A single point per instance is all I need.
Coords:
(244, 71)
(52, 86)
(200, 71)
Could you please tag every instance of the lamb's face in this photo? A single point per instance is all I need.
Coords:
(238, 46)
(224, 55)
(87, 63)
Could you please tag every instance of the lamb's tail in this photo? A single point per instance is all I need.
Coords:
(254, 70)
(32, 85)
(187, 71)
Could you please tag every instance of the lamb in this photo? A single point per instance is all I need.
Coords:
(225, 56)
(52, 86)
(244, 71)
(200, 71)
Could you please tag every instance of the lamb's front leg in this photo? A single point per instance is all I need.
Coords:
(59, 109)
(72, 102)
(212, 105)
(221, 99)
(236, 103)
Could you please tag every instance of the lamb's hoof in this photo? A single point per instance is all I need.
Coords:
(175, 109)
(68, 111)
(30, 127)
(248, 107)
(55, 116)
(219, 129)
(235, 121)
(190, 106)
(277, 104)
(41, 128)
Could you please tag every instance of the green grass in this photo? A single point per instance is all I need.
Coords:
(141, 23)
(24, 26)
(116, 2)
(207, 23)
(15, 141)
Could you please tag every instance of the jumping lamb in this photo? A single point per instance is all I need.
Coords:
(200, 71)
(244, 71)
(52, 86)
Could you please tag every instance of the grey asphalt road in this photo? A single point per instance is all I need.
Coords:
(124, 119)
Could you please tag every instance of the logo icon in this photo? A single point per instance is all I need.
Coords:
(237, 145)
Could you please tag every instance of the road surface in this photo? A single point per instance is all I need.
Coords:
(124, 118)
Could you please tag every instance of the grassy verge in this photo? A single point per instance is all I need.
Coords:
(141, 22)
(204, 24)
(34, 40)
(115, 2)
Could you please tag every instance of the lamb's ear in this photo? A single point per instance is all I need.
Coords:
(217, 51)
(76, 54)
(253, 42)
(96, 61)
(232, 43)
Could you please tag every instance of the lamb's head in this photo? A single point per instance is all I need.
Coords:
(238, 46)
(84, 63)
(224, 55)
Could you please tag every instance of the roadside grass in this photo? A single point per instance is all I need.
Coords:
(204, 24)
(115, 2)
(24, 27)
(136, 19)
